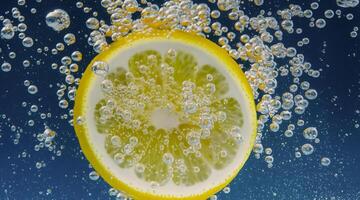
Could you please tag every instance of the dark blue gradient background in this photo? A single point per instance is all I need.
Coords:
(333, 112)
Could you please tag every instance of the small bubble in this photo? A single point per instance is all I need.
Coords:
(314, 5)
(100, 68)
(6, 67)
(213, 197)
(131, 5)
(139, 168)
(69, 39)
(115, 141)
(310, 133)
(258, 148)
(307, 149)
(32, 89)
(119, 158)
(347, 3)
(168, 158)
(12, 55)
(92, 23)
(63, 104)
(28, 42)
(268, 151)
(26, 63)
(21, 2)
(269, 159)
(353, 34)
(171, 53)
(7, 32)
(288, 133)
(320, 23)
(325, 161)
(58, 19)
(38, 165)
(349, 16)
(76, 56)
(94, 176)
(311, 94)
(226, 190)
(113, 192)
(329, 14)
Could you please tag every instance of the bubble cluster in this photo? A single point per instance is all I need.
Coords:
(46, 139)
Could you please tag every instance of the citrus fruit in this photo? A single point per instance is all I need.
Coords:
(165, 115)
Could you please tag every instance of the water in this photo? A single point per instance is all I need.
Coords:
(45, 46)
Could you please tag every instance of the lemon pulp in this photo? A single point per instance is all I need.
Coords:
(173, 119)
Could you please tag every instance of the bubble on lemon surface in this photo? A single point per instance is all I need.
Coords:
(100, 68)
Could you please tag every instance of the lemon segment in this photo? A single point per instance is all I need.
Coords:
(182, 59)
(170, 116)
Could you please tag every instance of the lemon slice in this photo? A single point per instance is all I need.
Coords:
(165, 115)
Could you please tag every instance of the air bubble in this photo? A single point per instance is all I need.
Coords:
(320, 23)
(325, 161)
(58, 20)
(27, 42)
(92, 23)
(307, 149)
(7, 32)
(6, 67)
(310, 133)
(226, 190)
(32, 89)
(94, 176)
(100, 68)
(347, 3)
(69, 39)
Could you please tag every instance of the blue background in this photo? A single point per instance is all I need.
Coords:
(333, 112)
